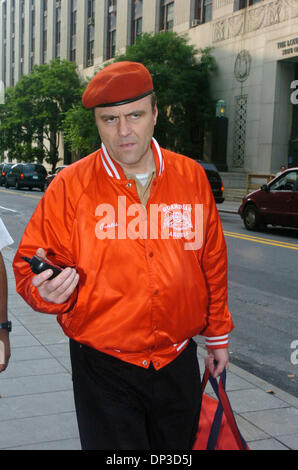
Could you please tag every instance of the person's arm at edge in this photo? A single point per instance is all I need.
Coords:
(4, 335)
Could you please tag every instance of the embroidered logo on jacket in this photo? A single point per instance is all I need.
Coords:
(178, 218)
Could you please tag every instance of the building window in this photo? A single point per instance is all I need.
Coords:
(12, 41)
(203, 11)
(58, 28)
(136, 19)
(32, 45)
(90, 32)
(4, 34)
(239, 4)
(12, 16)
(166, 15)
(44, 46)
(73, 30)
(112, 20)
(22, 36)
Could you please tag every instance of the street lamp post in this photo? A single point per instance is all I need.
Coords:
(220, 108)
(220, 136)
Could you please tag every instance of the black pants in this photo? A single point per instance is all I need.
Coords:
(121, 406)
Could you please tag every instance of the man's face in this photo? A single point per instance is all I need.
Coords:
(127, 131)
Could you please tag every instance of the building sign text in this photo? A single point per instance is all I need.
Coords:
(288, 46)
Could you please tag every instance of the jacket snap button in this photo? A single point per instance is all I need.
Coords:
(144, 363)
(128, 185)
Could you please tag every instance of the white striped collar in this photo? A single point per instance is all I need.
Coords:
(114, 170)
(108, 163)
(161, 160)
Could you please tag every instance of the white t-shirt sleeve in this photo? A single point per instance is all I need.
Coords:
(5, 238)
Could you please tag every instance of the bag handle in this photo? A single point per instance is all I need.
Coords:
(223, 406)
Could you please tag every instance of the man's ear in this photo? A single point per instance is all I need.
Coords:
(155, 114)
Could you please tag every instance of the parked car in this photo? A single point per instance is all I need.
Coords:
(275, 203)
(26, 175)
(214, 180)
(4, 168)
(51, 176)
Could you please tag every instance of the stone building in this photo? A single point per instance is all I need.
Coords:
(255, 43)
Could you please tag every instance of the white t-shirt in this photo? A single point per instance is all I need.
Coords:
(142, 178)
(5, 238)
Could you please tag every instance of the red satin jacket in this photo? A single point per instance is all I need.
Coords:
(150, 277)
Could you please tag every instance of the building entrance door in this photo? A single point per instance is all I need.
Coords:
(293, 147)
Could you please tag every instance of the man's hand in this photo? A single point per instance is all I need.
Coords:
(59, 289)
(217, 360)
(4, 349)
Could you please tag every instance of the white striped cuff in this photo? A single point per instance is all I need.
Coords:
(214, 342)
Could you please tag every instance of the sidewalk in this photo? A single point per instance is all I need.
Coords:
(37, 408)
(230, 207)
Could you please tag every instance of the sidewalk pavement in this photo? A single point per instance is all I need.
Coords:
(37, 408)
(230, 207)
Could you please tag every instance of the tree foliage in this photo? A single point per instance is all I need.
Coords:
(47, 103)
(32, 116)
(181, 82)
(80, 131)
(181, 77)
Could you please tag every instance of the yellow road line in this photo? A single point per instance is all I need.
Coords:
(253, 237)
(265, 241)
(22, 195)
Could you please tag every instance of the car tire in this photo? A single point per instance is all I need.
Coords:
(251, 218)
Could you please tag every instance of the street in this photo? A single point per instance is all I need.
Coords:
(263, 280)
(16, 208)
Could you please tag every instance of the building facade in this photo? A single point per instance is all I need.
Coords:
(255, 43)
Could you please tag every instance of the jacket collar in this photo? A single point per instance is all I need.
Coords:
(114, 170)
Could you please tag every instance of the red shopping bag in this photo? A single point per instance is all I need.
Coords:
(217, 429)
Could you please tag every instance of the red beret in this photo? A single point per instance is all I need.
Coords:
(118, 83)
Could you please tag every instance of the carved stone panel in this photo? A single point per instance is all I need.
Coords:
(253, 19)
(242, 66)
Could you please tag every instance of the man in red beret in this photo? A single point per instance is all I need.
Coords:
(136, 230)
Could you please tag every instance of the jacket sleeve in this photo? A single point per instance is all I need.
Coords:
(215, 268)
(49, 228)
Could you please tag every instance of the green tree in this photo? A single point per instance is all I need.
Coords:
(181, 76)
(80, 131)
(12, 133)
(31, 119)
